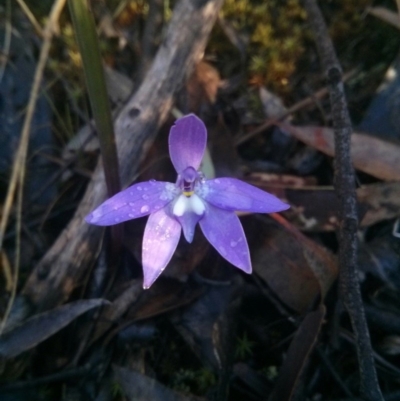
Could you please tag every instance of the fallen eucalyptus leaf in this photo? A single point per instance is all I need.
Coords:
(40, 327)
(375, 156)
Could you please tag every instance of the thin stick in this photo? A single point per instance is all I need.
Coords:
(345, 189)
(17, 258)
(31, 17)
(6, 52)
(7, 40)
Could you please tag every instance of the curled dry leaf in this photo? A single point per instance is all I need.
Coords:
(202, 86)
(375, 156)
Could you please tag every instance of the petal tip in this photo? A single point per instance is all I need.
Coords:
(248, 270)
(148, 280)
(92, 218)
(281, 207)
(284, 206)
(245, 264)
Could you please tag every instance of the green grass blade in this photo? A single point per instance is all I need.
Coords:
(87, 40)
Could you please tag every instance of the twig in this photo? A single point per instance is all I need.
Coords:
(7, 40)
(345, 189)
(31, 17)
(319, 94)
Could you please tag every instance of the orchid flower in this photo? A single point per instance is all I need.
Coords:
(192, 199)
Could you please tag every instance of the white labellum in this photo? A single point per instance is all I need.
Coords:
(188, 204)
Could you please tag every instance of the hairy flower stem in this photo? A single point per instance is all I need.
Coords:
(345, 189)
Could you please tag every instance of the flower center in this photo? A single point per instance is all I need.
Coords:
(188, 201)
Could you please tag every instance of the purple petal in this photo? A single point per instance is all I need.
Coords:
(188, 222)
(233, 194)
(187, 142)
(225, 233)
(161, 237)
(136, 201)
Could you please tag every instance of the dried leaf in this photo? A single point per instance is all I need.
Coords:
(386, 15)
(272, 104)
(40, 327)
(297, 269)
(165, 295)
(375, 156)
(297, 355)
(200, 325)
(113, 312)
(380, 201)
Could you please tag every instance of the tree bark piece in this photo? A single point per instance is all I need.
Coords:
(66, 263)
(345, 189)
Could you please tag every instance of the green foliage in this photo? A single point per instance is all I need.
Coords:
(88, 44)
(244, 347)
(276, 35)
(279, 39)
(116, 390)
(193, 381)
(271, 372)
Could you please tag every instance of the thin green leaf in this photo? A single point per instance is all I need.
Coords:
(86, 37)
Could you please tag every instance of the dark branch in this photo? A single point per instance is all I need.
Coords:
(345, 189)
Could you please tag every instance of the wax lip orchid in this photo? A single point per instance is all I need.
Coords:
(191, 200)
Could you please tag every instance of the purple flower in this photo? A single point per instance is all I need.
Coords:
(191, 200)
